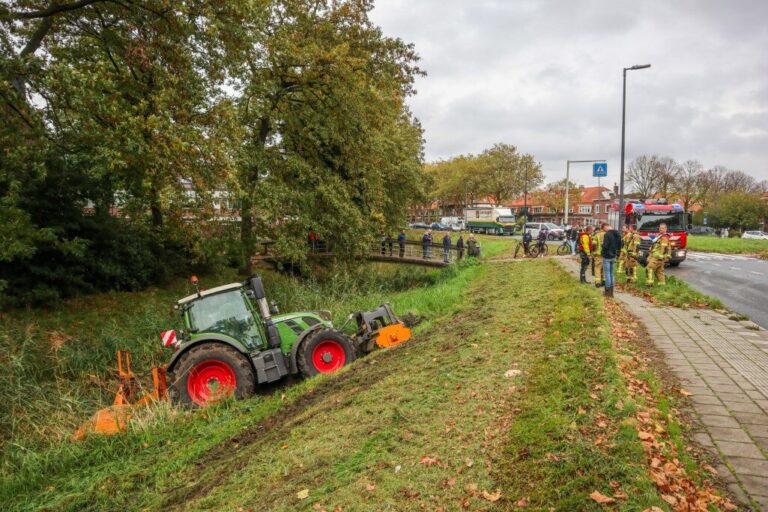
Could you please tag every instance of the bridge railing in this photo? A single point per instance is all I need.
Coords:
(415, 250)
(412, 251)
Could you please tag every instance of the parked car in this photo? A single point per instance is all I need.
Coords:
(418, 225)
(755, 235)
(437, 226)
(554, 232)
(702, 230)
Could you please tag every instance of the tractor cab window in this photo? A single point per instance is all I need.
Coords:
(651, 221)
(225, 313)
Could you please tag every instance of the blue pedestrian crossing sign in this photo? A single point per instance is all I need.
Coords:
(599, 170)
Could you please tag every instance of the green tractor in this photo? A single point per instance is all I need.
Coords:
(234, 340)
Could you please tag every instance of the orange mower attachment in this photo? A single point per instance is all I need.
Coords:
(379, 327)
(114, 419)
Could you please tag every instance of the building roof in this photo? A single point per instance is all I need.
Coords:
(588, 196)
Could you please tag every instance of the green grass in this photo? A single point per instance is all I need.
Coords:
(758, 248)
(359, 438)
(675, 292)
(59, 363)
(434, 423)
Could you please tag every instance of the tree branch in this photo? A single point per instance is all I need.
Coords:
(54, 9)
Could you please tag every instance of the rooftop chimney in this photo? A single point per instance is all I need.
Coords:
(615, 189)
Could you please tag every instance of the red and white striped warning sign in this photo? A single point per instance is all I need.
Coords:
(169, 338)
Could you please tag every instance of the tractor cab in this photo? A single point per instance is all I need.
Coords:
(225, 310)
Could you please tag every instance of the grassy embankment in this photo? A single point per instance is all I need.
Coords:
(59, 362)
(440, 421)
(757, 248)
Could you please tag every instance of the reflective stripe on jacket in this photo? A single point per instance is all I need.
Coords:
(661, 248)
(633, 244)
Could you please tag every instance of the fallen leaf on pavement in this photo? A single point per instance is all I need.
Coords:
(601, 498)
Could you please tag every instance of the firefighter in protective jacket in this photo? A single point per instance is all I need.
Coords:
(597, 257)
(622, 260)
(585, 251)
(658, 256)
(632, 248)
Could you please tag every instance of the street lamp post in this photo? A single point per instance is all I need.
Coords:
(568, 179)
(623, 122)
(525, 199)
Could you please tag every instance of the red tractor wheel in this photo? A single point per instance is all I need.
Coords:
(209, 373)
(325, 352)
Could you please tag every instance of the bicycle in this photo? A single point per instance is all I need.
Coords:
(540, 249)
(564, 249)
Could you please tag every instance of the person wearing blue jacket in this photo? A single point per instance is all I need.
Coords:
(446, 247)
(426, 244)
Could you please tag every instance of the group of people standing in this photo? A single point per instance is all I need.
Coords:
(472, 246)
(608, 251)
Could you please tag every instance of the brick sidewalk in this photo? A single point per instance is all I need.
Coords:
(725, 365)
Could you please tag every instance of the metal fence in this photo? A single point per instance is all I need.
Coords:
(414, 251)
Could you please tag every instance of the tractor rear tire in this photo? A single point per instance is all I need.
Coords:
(325, 352)
(209, 373)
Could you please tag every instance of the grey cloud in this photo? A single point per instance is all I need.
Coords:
(546, 76)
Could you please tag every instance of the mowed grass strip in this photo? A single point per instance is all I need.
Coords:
(758, 248)
(574, 433)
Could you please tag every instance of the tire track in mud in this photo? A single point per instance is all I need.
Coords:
(235, 453)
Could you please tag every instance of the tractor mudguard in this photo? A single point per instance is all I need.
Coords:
(299, 340)
(207, 338)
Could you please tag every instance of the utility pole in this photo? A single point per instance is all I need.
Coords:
(525, 199)
(623, 122)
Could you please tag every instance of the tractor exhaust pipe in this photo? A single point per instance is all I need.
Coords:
(273, 339)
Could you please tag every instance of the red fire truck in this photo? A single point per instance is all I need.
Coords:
(648, 216)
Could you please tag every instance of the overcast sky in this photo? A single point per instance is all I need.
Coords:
(546, 76)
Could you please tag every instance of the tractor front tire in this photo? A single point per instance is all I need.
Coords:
(325, 352)
(209, 373)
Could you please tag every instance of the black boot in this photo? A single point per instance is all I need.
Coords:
(582, 279)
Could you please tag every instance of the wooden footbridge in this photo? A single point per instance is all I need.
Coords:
(409, 253)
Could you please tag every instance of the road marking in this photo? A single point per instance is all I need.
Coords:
(734, 268)
(756, 273)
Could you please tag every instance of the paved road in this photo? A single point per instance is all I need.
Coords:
(740, 282)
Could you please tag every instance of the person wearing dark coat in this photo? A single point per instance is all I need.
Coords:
(609, 252)
(460, 247)
(446, 247)
(426, 244)
(401, 243)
